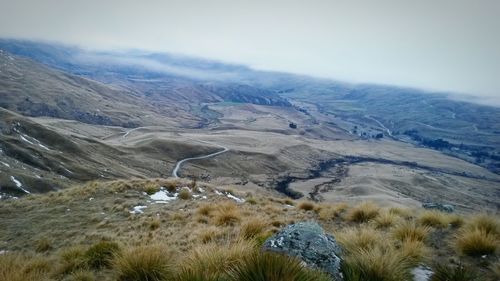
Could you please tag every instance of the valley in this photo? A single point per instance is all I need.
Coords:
(347, 143)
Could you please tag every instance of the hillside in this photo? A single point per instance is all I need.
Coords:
(167, 229)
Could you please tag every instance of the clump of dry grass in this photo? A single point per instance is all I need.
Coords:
(214, 260)
(306, 206)
(152, 263)
(386, 219)
(101, 254)
(434, 219)
(185, 194)
(353, 239)
(456, 221)
(401, 212)
(443, 272)
(16, 267)
(43, 245)
(271, 266)
(476, 242)
(410, 231)
(252, 228)
(487, 223)
(414, 252)
(205, 209)
(227, 213)
(71, 259)
(82, 275)
(363, 212)
(329, 211)
(381, 264)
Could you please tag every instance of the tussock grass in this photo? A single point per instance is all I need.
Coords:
(363, 212)
(414, 252)
(386, 219)
(205, 209)
(274, 267)
(252, 228)
(485, 222)
(82, 275)
(16, 267)
(443, 272)
(328, 212)
(152, 263)
(376, 264)
(43, 245)
(185, 194)
(306, 206)
(215, 260)
(354, 239)
(476, 242)
(71, 259)
(410, 231)
(495, 269)
(434, 219)
(101, 254)
(227, 213)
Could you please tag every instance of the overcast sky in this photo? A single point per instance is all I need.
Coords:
(451, 45)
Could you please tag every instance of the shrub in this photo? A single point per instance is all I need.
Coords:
(152, 263)
(376, 264)
(476, 242)
(444, 272)
(274, 267)
(252, 228)
(306, 206)
(433, 219)
(101, 254)
(185, 194)
(409, 231)
(363, 212)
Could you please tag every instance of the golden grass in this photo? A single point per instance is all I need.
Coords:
(152, 263)
(476, 242)
(215, 260)
(185, 194)
(401, 212)
(377, 264)
(306, 206)
(252, 228)
(227, 213)
(71, 259)
(82, 275)
(331, 211)
(16, 267)
(43, 245)
(485, 222)
(205, 209)
(414, 252)
(410, 231)
(101, 254)
(353, 239)
(386, 219)
(363, 212)
(434, 219)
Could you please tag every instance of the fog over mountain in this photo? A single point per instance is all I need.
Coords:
(437, 45)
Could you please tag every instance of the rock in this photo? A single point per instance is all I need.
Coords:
(438, 206)
(308, 242)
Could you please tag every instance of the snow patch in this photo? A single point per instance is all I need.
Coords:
(19, 184)
(138, 210)
(230, 196)
(421, 273)
(163, 196)
(26, 140)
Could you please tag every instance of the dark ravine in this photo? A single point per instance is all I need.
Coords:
(282, 183)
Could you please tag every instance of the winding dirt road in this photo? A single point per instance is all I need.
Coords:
(179, 163)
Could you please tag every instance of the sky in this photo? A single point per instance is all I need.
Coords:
(445, 45)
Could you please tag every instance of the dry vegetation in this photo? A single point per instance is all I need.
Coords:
(89, 233)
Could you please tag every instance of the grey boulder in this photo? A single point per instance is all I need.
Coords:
(308, 242)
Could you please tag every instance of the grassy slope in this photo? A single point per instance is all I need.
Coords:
(50, 225)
